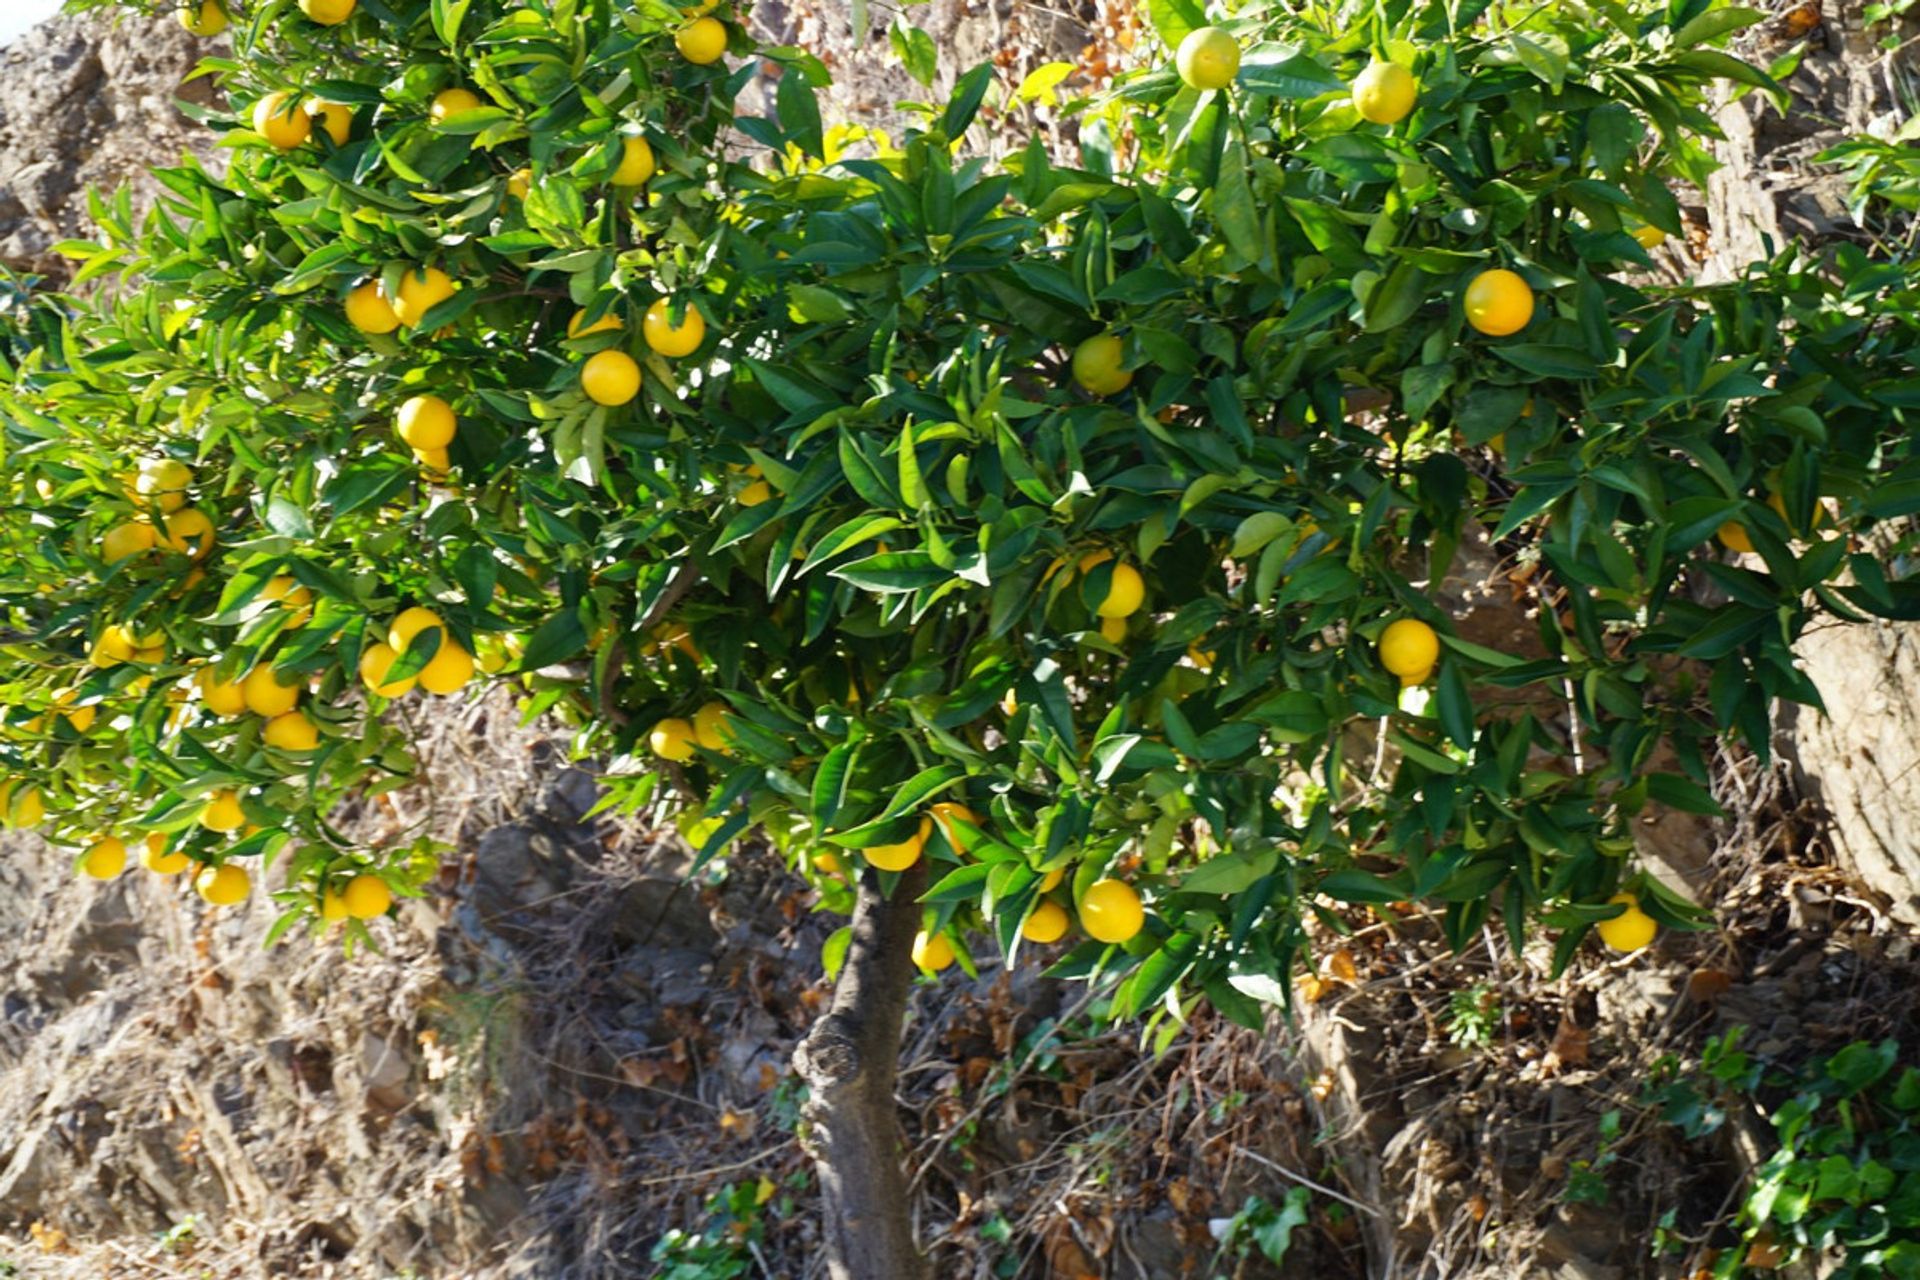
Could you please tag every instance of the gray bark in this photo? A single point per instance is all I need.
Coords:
(848, 1061)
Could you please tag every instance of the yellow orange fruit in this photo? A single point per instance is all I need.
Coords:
(426, 422)
(949, 815)
(222, 812)
(1385, 92)
(1409, 648)
(1733, 536)
(223, 886)
(672, 739)
(1649, 236)
(375, 661)
(222, 698)
(114, 646)
(669, 339)
(1498, 302)
(754, 493)
(579, 328)
(368, 309)
(105, 858)
(519, 182)
(898, 857)
(449, 669)
(701, 41)
(128, 539)
(1051, 880)
(1631, 930)
(636, 163)
(333, 906)
(285, 588)
(610, 377)
(452, 102)
(1096, 365)
(80, 718)
(291, 731)
(335, 119)
(410, 623)
(157, 858)
(189, 531)
(163, 482)
(421, 290)
(21, 805)
(206, 18)
(1047, 922)
(266, 696)
(1208, 58)
(281, 120)
(713, 727)
(932, 951)
(1126, 589)
(1110, 911)
(367, 897)
(328, 13)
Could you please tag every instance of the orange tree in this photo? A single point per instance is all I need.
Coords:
(1033, 555)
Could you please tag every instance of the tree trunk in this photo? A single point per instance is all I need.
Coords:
(848, 1061)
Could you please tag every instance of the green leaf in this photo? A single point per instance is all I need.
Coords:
(1174, 19)
(963, 884)
(915, 50)
(1861, 1064)
(893, 572)
(1040, 83)
(1422, 386)
(847, 535)
(1230, 872)
(1233, 207)
(1256, 531)
(1547, 360)
(968, 92)
(799, 113)
(1544, 55)
(1455, 705)
(922, 787)
(1351, 884)
(913, 488)
(1294, 76)
(830, 781)
(1679, 793)
(558, 639)
(1715, 23)
(833, 952)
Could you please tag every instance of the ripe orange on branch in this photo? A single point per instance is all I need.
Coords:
(669, 339)
(1498, 302)
(1385, 92)
(610, 378)
(421, 290)
(426, 422)
(281, 120)
(1208, 58)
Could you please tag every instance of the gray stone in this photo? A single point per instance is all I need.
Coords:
(88, 101)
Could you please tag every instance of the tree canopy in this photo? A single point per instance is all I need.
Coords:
(822, 482)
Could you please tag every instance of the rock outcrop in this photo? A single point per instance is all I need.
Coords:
(1863, 760)
(89, 101)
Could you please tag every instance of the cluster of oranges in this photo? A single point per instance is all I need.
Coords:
(1110, 910)
(416, 649)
